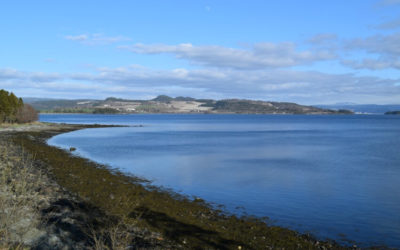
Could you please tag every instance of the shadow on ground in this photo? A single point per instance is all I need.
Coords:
(182, 232)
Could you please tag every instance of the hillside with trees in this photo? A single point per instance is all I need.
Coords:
(14, 110)
(167, 104)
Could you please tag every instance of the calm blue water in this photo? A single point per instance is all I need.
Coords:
(333, 176)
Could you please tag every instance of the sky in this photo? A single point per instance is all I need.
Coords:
(308, 52)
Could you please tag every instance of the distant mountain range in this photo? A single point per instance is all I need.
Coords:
(363, 108)
(167, 104)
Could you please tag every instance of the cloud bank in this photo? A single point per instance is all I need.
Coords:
(306, 87)
(384, 52)
(265, 71)
(259, 56)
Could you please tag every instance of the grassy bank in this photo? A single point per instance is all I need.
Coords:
(19, 196)
(130, 203)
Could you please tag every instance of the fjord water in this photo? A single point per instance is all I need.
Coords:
(332, 176)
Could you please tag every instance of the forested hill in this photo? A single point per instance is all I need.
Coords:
(13, 109)
(166, 104)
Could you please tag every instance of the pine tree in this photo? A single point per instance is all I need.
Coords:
(13, 109)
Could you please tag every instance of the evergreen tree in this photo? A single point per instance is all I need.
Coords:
(13, 109)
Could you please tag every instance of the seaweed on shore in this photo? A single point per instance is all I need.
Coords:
(190, 223)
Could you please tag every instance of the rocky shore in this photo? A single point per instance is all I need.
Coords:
(50, 199)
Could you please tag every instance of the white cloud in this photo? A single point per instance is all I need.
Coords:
(278, 85)
(383, 51)
(383, 3)
(372, 64)
(96, 39)
(379, 44)
(44, 77)
(82, 37)
(6, 74)
(260, 56)
(322, 38)
(13, 74)
(389, 25)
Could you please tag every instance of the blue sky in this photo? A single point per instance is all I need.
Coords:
(310, 52)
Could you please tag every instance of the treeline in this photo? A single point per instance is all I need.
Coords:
(13, 109)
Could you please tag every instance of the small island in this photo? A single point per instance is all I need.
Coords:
(397, 112)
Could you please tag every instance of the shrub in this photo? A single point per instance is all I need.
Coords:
(27, 114)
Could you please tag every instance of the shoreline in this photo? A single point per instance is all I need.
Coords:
(52, 216)
(172, 220)
(211, 113)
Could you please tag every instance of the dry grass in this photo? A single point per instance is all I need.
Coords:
(22, 197)
(19, 198)
(116, 236)
(15, 125)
